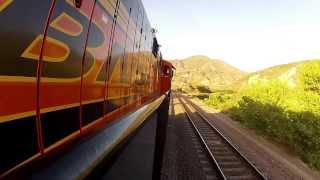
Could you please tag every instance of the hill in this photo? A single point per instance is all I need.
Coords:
(285, 72)
(280, 102)
(202, 74)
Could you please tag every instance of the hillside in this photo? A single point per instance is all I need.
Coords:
(200, 73)
(285, 72)
(280, 102)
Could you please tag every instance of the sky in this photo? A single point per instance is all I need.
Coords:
(248, 34)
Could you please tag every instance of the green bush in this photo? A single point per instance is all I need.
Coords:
(309, 76)
(201, 96)
(203, 89)
(221, 100)
(290, 116)
(306, 136)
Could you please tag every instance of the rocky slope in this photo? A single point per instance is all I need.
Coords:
(200, 73)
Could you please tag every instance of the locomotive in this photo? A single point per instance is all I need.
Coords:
(70, 67)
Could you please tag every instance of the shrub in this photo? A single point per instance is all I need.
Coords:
(309, 76)
(203, 89)
(306, 136)
(289, 116)
(221, 100)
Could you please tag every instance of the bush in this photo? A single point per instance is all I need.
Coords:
(203, 89)
(272, 108)
(274, 92)
(306, 136)
(201, 96)
(221, 100)
(309, 76)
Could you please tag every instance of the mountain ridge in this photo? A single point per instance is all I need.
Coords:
(286, 72)
(200, 73)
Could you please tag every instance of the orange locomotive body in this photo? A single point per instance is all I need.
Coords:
(166, 76)
(66, 70)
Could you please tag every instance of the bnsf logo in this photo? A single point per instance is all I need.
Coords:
(64, 46)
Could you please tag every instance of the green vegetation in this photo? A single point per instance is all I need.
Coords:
(281, 102)
(285, 108)
(221, 100)
(310, 77)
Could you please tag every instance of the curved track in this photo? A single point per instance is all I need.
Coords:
(224, 157)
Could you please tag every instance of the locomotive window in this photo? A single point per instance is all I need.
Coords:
(78, 3)
(166, 71)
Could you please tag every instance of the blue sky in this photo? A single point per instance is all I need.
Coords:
(248, 34)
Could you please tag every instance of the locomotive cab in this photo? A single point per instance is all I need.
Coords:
(167, 71)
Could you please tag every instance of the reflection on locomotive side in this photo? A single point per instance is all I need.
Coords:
(65, 71)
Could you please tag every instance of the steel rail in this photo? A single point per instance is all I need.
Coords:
(228, 142)
(204, 144)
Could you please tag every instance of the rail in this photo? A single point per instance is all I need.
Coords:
(225, 157)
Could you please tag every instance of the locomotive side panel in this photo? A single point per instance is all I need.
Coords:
(96, 65)
(60, 81)
(21, 23)
(94, 83)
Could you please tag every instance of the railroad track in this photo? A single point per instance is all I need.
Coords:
(225, 158)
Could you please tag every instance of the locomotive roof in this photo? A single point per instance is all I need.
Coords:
(168, 63)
